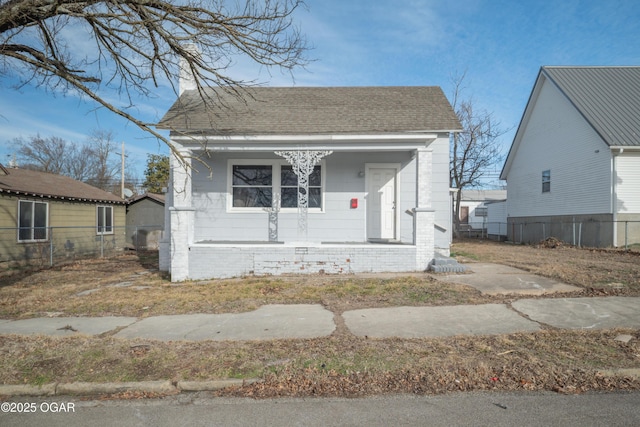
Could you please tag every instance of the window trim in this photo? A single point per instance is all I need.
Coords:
(546, 179)
(276, 165)
(32, 227)
(109, 229)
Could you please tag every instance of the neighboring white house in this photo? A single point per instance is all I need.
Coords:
(497, 219)
(474, 213)
(573, 171)
(308, 180)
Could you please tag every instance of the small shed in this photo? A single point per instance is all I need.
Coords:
(145, 221)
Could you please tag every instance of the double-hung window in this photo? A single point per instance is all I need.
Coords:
(252, 186)
(546, 181)
(104, 220)
(33, 219)
(255, 184)
(289, 188)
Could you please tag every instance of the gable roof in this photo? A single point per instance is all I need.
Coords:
(158, 198)
(313, 110)
(608, 97)
(41, 184)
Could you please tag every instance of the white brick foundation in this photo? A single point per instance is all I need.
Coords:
(207, 261)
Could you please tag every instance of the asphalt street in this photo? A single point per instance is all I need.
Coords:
(462, 409)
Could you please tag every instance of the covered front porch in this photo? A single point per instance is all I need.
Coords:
(371, 211)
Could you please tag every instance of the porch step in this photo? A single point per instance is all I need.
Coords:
(446, 265)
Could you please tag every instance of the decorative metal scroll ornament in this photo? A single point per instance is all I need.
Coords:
(302, 163)
(273, 218)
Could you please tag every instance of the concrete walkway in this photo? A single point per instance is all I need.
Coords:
(309, 320)
(267, 322)
(496, 279)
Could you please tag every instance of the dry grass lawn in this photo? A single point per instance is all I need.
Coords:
(339, 365)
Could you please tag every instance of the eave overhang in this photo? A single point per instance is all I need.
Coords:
(336, 142)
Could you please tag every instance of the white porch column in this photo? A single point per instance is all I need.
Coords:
(182, 215)
(302, 163)
(424, 214)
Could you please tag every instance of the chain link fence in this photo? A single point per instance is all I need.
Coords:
(590, 233)
(55, 245)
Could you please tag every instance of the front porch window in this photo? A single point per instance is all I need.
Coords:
(256, 185)
(252, 186)
(289, 187)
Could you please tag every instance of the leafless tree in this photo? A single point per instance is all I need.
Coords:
(135, 45)
(93, 162)
(80, 162)
(475, 150)
(43, 154)
(104, 166)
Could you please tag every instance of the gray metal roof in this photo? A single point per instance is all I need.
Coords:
(313, 110)
(607, 97)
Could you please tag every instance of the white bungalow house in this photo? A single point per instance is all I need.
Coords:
(308, 180)
(573, 170)
(474, 208)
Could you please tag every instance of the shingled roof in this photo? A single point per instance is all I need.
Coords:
(607, 97)
(314, 110)
(40, 184)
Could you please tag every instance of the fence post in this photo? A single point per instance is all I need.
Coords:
(50, 246)
(626, 234)
(580, 234)
(521, 233)
(102, 244)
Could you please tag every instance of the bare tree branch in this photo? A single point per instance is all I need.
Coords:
(138, 44)
(92, 163)
(474, 150)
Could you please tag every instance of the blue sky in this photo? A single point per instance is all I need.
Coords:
(500, 44)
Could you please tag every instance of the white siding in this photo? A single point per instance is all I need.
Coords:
(474, 221)
(628, 182)
(337, 223)
(558, 139)
(497, 218)
(440, 194)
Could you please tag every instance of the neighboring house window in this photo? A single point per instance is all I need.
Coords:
(105, 220)
(481, 211)
(546, 181)
(254, 184)
(33, 219)
(289, 188)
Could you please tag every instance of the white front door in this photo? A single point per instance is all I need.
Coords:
(381, 203)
